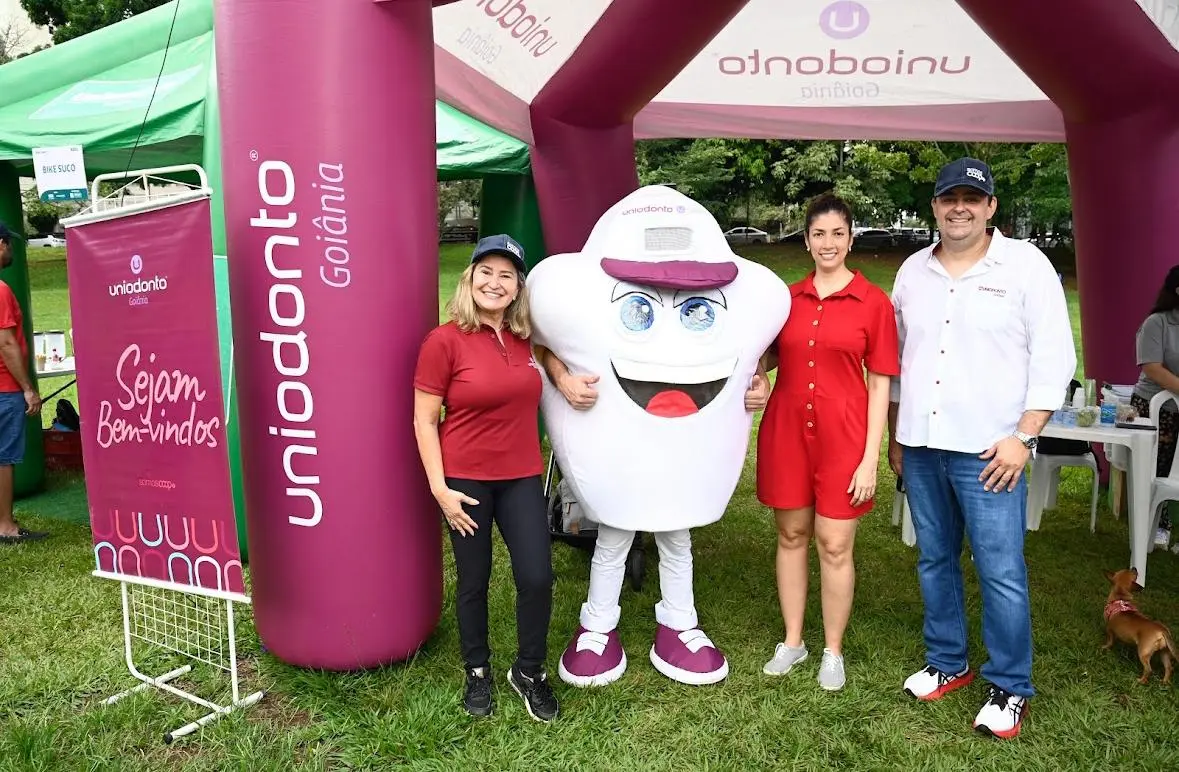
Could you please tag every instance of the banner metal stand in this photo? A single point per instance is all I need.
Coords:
(195, 623)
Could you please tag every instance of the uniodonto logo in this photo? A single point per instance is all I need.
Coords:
(137, 291)
(655, 209)
(514, 17)
(844, 19)
(841, 21)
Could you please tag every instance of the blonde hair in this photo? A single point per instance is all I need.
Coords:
(462, 310)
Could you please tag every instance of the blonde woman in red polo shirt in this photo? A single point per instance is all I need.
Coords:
(819, 442)
(483, 463)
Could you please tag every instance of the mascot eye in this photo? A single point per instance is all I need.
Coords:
(637, 313)
(697, 314)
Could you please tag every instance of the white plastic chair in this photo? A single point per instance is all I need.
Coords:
(1165, 489)
(1045, 479)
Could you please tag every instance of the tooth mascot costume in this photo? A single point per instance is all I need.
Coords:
(673, 323)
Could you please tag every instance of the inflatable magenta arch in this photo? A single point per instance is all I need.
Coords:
(327, 111)
(1115, 79)
(328, 155)
(1105, 66)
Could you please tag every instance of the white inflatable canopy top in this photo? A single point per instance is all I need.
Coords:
(780, 68)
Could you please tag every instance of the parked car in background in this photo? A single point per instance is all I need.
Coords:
(874, 238)
(746, 235)
(917, 237)
(51, 240)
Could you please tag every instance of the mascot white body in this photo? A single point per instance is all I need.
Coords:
(673, 323)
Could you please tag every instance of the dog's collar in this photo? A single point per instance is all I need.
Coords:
(1118, 607)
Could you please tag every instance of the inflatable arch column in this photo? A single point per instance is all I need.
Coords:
(327, 124)
(29, 475)
(1121, 207)
(1112, 72)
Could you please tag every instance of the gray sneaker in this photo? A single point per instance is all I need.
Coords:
(831, 676)
(785, 658)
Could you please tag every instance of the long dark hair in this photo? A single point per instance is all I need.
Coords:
(1168, 299)
(822, 204)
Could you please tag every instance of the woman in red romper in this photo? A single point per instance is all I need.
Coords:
(819, 443)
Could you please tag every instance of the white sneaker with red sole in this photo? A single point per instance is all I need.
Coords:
(931, 684)
(1002, 714)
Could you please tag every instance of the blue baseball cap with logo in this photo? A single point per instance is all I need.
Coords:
(9, 235)
(967, 172)
(500, 244)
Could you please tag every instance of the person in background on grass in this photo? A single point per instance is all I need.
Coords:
(483, 464)
(18, 398)
(1158, 356)
(819, 443)
(986, 355)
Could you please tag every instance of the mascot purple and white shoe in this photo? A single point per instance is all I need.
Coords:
(673, 323)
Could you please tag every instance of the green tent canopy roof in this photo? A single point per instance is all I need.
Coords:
(95, 91)
(467, 148)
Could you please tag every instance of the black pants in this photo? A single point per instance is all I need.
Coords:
(518, 508)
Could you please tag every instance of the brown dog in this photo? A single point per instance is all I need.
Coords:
(1128, 625)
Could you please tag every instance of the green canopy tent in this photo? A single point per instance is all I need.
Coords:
(95, 91)
(126, 86)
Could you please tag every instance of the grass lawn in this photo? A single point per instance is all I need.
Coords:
(60, 655)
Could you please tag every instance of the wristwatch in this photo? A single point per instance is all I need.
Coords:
(1029, 440)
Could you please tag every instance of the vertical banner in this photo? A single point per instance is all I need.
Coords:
(150, 394)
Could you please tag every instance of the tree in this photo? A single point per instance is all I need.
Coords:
(68, 19)
(697, 168)
(42, 216)
(11, 37)
(765, 182)
(451, 194)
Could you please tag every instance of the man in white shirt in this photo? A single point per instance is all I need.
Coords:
(986, 356)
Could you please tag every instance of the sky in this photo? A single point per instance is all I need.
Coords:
(11, 11)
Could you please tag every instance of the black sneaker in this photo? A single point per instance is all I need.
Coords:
(477, 697)
(538, 696)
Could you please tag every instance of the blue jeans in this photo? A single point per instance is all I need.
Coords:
(12, 427)
(947, 499)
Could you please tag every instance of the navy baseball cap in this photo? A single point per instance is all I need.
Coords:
(8, 235)
(501, 244)
(969, 172)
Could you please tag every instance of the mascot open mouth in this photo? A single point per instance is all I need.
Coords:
(672, 391)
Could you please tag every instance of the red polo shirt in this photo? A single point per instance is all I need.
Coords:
(491, 392)
(10, 317)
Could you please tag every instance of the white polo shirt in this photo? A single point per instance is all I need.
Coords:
(979, 350)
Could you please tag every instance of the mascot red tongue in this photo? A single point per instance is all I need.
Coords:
(671, 404)
(673, 323)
